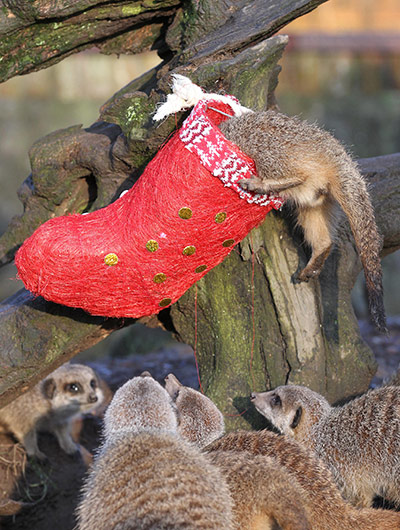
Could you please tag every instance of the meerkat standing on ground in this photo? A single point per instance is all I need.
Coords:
(52, 405)
(359, 441)
(310, 169)
(274, 478)
(145, 476)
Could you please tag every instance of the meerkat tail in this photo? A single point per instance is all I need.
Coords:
(352, 195)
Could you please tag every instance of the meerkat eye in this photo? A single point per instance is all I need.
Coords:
(93, 384)
(176, 394)
(73, 388)
(276, 401)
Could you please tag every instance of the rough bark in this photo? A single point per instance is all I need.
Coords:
(303, 333)
(35, 35)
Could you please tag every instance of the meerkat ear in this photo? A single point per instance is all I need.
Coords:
(146, 374)
(296, 418)
(49, 387)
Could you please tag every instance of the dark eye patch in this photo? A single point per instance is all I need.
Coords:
(175, 394)
(276, 400)
(73, 388)
(93, 384)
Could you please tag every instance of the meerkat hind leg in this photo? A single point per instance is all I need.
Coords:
(315, 223)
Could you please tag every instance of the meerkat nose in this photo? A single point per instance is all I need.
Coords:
(253, 396)
(93, 398)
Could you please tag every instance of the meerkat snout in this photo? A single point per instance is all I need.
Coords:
(172, 386)
(262, 399)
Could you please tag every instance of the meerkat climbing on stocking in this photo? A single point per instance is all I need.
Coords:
(310, 169)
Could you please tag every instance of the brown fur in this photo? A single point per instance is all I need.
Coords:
(259, 487)
(309, 168)
(145, 477)
(324, 506)
(359, 441)
(200, 421)
(263, 492)
(52, 406)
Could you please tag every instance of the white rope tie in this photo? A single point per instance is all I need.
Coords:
(186, 94)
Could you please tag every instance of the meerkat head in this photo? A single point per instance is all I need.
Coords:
(140, 405)
(72, 389)
(293, 409)
(200, 421)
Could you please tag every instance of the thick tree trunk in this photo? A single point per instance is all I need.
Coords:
(302, 333)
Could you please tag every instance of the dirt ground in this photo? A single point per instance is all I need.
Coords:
(45, 494)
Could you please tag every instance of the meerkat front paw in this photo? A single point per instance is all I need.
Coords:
(68, 445)
(253, 184)
(38, 455)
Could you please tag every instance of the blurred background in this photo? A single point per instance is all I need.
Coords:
(340, 69)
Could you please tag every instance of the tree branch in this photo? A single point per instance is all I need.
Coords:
(35, 35)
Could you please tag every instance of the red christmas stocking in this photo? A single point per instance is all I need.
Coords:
(142, 252)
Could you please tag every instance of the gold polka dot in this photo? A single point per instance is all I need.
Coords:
(220, 217)
(160, 277)
(164, 302)
(152, 245)
(200, 268)
(189, 251)
(228, 242)
(111, 259)
(185, 213)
